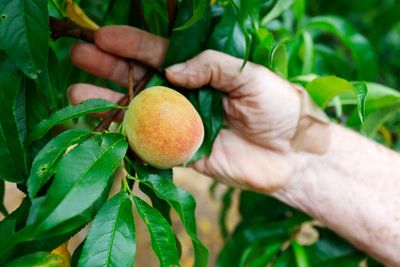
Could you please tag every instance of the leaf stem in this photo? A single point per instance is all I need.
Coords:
(126, 186)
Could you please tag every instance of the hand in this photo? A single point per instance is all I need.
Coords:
(261, 109)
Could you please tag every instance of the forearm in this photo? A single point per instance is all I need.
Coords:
(354, 189)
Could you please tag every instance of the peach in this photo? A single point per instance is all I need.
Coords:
(163, 127)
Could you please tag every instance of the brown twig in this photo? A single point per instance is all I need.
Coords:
(142, 83)
(67, 28)
(131, 80)
(171, 6)
(111, 115)
(138, 4)
(136, 89)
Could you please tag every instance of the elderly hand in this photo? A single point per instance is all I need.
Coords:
(261, 109)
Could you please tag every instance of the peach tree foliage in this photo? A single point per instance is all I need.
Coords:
(51, 150)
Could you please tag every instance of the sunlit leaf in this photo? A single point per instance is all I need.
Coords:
(279, 59)
(111, 239)
(324, 89)
(44, 164)
(308, 53)
(62, 115)
(162, 235)
(277, 10)
(181, 201)
(77, 15)
(301, 255)
(81, 177)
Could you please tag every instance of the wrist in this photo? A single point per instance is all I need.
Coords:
(299, 189)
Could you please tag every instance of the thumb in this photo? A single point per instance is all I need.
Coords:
(221, 71)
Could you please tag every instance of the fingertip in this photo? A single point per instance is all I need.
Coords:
(176, 68)
(71, 94)
(73, 53)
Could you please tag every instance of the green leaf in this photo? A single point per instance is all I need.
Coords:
(360, 49)
(228, 35)
(226, 204)
(81, 177)
(162, 235)
(261, 252)
(361, 92)
(187, 43)
(17, 240)
(263, 44)
(24, 34)
(247, 16)
(328, 61)
(13, 156)
(324, 89)
(62, 115)
(299, 7)
(38, 259)
(48, 83)
(331, 251)
(300, 254)
(9, 226)
(277, 10)
(208, 103)
(181, 201)
(35, 104)
(111, 239)
(279, 59)
(156, 16)
(256, 207)
(236, 246)
(381, 104)
(44, 164)
(285, 259)
(375, 119)
(266, 257)
(308, 53)
(77, 254)
(380, 96)
(159, 204)
(3, 209)
(198, 14)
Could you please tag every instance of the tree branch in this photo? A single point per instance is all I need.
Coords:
(171, 5)
(67, 28)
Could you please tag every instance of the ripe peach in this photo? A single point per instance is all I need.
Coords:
(163, 128)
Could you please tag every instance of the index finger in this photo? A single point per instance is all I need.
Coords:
(133, 43)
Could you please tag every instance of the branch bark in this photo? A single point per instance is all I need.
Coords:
(67, 28)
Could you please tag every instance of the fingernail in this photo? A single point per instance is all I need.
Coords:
(177, 67)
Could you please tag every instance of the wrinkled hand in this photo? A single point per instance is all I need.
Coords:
(261, 109)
